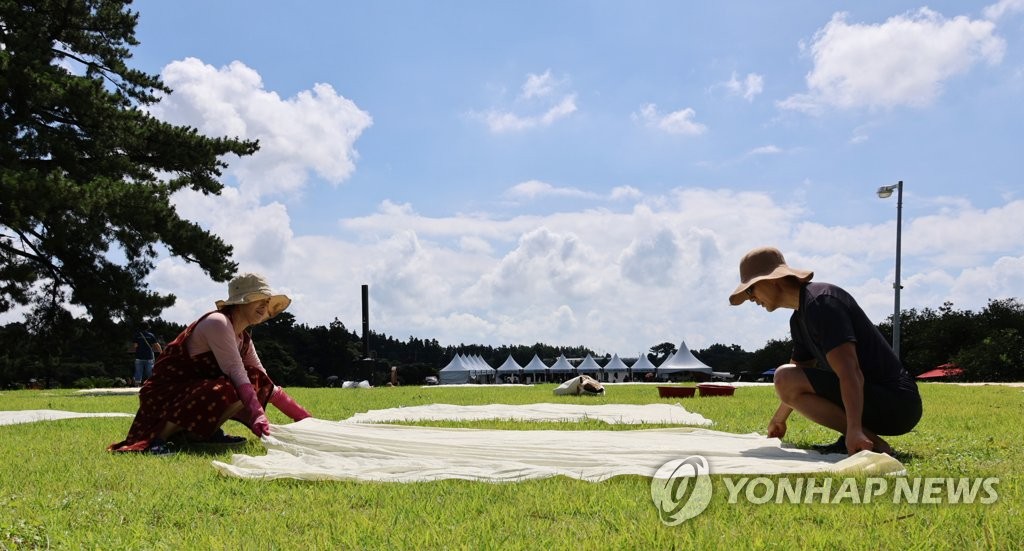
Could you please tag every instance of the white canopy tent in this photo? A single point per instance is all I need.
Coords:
(483, 368)
(683, 361)
(589, 365)
(536, 369)
(561, 370)
(480, 362)
(562, 365)
(615, 370)
(642, 365)
(510, 368)
(536, 366)
(463, 370)
(456, 372)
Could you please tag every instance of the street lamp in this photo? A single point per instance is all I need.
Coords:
(885, 192)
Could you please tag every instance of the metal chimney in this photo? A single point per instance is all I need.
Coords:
(366, 321)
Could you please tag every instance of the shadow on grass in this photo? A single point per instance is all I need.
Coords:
(206, 449)
(901, 456)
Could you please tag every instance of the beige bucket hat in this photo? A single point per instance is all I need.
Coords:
(250, 287)
(764, 263)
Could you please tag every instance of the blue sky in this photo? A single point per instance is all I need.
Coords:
(591, 172)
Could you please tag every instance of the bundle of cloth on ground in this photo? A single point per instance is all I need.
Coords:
(315, 449)
(582, 384)
(624, 414)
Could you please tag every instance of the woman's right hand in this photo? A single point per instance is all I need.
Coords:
(260, 425)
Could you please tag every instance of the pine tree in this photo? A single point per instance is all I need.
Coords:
(86, 174)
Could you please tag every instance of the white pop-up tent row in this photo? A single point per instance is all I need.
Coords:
(465, 369)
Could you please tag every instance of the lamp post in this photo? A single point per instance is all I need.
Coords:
(885, 192)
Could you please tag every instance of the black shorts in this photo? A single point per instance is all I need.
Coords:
(889, 410)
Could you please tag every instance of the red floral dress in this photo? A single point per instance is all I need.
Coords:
(191, 392)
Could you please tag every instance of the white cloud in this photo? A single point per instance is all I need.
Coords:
(313, 132)
(749, 88)
(657, 269)
(766, 150)
(976, 285)
(651, 261)
(563, 108)
(260, 233)
(545, 265)
(474, 244)
(625, 192)
(901, 62)
(538, 85)
(676, 122)
(535, 188)
(619, 282)
(965, 235)
(538, 105)
(1002, 8)
(507, 121)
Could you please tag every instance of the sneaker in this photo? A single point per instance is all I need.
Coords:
(224, 439)
(216, 439)
(839, 446)
(159, 447)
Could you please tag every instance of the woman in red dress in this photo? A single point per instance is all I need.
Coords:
(211, 373)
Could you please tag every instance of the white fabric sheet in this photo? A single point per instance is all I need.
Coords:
(628, 414)
(315, 449)
(109, 391)
(33, 415)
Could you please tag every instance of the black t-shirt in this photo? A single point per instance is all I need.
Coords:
(144, 342)
(828, 317)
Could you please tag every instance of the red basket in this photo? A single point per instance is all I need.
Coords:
(676, 391)
(712, 389)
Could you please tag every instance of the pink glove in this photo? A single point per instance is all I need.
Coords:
(260, 425)
(288, 405)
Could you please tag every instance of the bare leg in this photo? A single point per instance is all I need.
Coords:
(794, 390)
(232, 411)
(171, 429)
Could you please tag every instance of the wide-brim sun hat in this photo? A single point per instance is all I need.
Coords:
(250, 287)
(760, 264)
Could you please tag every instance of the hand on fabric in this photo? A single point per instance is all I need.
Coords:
(288, 405)
(776, 429)
(260, 425)
(857, 441)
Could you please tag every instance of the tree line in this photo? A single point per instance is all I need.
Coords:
(64, 351)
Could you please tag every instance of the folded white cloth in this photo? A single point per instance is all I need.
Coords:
(626, 414)
(315, 449)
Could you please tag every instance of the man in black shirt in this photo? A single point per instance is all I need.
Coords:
(843, 374)
(147, 348)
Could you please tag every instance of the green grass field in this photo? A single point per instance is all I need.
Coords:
(59, 489)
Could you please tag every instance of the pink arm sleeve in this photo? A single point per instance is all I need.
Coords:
(216, 334)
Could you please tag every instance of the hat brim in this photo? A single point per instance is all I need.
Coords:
(278, 304)
(739, 296)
